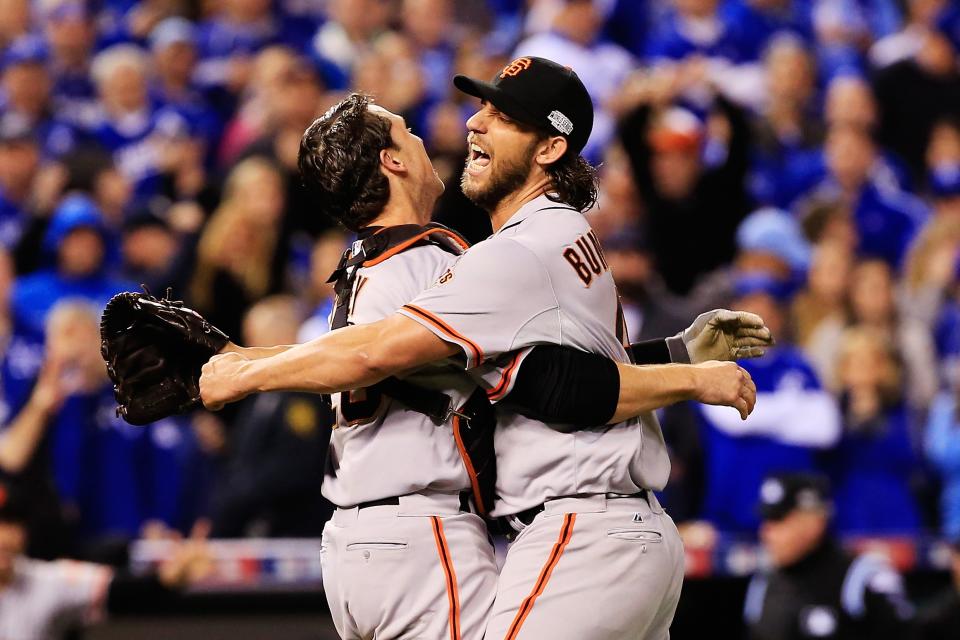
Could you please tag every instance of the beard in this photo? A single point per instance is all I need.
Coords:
(502, 182)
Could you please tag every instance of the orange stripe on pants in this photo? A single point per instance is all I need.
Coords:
(566, 531)
(450, 575)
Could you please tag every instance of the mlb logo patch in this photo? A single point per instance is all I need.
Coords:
(637, 517)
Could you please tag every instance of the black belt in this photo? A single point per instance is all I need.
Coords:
(395, 501)
(526, 517)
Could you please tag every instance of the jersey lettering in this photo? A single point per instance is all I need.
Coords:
(576, 262)
(586, 257)
(445, 278)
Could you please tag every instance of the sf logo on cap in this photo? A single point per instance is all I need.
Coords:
(515, 67)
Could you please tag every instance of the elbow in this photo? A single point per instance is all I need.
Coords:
(373, 365)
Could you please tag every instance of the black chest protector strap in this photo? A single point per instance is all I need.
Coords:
(370, 251)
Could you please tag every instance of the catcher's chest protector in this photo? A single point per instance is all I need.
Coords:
(474, 422)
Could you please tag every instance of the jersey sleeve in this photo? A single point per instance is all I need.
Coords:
(82, 590)
(497, 298)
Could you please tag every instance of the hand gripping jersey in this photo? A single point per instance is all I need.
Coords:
(543, 279)
(430, 430)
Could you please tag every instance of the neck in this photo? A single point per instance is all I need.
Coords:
(512, 203)
(403, 209)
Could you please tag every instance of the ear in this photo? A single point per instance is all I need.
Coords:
(391, 163)
(551, 150)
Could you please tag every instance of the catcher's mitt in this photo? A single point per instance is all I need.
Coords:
(154, 350)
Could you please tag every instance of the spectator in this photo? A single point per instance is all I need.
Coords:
(16, 21)
(45, 600)
(942, 447)
(238, 259)
(75, 250)
(886, 219)
(905, 43)
(786, 133)
(70, 31)
(680, 191)
(26, 97)
(19, 162)
(874, 462)
(793, 420)
(814, 588)
(350, 31)
(273, 461)
(820, 309)
(146, 143)
(173, 46)
(932, 80)
(323, 261)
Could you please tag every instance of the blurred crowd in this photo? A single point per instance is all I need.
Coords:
(795, 158)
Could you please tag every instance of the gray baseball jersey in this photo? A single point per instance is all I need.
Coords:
(543, 279)
(45, 599)
(380, 448)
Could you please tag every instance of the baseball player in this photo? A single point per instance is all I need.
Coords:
(582, 499)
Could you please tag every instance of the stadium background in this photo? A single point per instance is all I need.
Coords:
(796, 158)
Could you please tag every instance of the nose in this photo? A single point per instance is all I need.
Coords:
(477, 122)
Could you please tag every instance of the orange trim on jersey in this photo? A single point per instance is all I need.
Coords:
(448, 331)
(566, 532)
(499, 391)
(453, 594)
(468, 463)
(417, 238)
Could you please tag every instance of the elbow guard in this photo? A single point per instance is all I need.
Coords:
(566, 386)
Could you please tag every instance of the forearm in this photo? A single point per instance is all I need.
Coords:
(650, 387)
(349, 358)
(256, 353)
(20, 441)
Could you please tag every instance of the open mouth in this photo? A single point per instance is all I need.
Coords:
(478, 160)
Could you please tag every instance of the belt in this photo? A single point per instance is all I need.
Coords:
(465, 502)
(519, 521)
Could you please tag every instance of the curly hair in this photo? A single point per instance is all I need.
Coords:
(339, 162)
(573, 180)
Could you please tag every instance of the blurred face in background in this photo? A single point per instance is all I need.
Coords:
(696, 8)
(764, 305)
(850, 155)
(71, 38)
(676, 172)
(148, 248)
(247, 10)
(260, 193)
(125, 90)
(579, 20)
(944, 146)
(27, 88)
(427, 21)
(360, 18)
(323, 260)
(850, 101)
(16, 19)
(871, 293)
(788, 70)
(19, 161)
(273, 320)
(789, 539)
(865, 363)
(175, 62)
(13, 543)
(81, 253)
(73, 339)
(829, 273)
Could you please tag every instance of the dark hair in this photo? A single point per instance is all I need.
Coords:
(574, 181)
(339, 162)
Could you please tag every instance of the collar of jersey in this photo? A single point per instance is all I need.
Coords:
(539, 203)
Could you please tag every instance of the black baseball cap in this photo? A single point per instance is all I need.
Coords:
(540, 93)
(781, 494)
